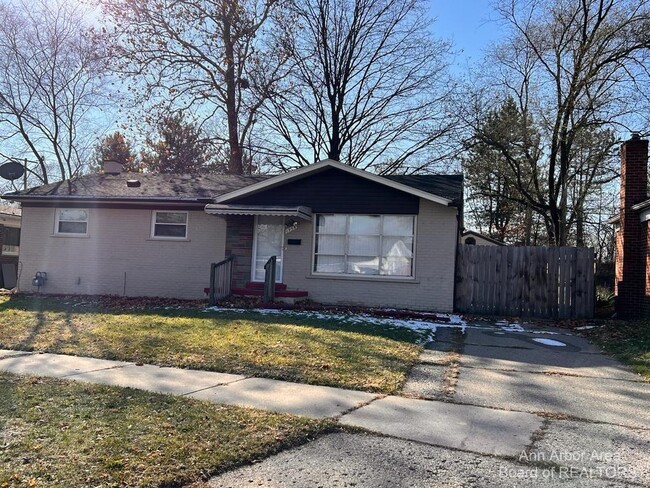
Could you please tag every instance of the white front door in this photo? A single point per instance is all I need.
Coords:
(268, 241)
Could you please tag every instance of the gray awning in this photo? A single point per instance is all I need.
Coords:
(233, 209)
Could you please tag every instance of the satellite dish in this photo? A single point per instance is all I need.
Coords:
(11, 170)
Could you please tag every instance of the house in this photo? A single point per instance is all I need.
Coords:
(340, 235)
(9, 245)
(474, 238)
(632, 238)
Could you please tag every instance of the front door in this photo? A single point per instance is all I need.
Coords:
(268, 241)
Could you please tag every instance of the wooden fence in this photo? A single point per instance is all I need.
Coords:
(544, 282)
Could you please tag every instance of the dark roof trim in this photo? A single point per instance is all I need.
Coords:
(321, 165)
(93, 198)
(642, 205)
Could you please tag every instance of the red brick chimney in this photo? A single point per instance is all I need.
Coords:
(632, 237)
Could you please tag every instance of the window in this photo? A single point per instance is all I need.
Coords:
(169, 225)
(71, 221)
(379, 245)
(11, 242)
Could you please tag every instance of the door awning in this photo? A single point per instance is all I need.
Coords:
(232, 209)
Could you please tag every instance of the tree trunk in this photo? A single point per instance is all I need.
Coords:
(580, 229)
(335, 141)
(235, 164)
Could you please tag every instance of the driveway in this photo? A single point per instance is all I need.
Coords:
(594, 414)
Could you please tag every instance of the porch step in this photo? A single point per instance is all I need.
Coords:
(254, 292)
(259, 285)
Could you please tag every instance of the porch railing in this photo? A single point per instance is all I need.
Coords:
(220, 279)
(269, 280)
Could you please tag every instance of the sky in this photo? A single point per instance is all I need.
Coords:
(469, 24)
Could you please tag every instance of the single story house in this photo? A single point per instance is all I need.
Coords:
(9, 245)
(632, 232)
(339, 234)
(473, 238)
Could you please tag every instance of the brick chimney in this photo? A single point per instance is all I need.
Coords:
(632, 238)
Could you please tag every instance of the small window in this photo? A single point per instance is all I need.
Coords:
(11, 242)
(169, 225)
(71, 221)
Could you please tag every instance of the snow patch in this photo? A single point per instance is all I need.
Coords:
(426, 329)
(586, 327)
(511, 327)
(550, 342)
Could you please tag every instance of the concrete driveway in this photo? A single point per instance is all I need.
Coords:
(594, 413)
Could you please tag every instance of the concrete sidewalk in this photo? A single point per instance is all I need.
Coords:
(476, 429)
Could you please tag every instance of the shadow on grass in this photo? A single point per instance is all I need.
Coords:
(87, 305)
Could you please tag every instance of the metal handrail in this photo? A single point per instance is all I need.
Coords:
(269, 279)
(220, 279)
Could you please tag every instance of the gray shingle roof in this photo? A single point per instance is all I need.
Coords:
(447, 186)
(197, 187)
(152, 187)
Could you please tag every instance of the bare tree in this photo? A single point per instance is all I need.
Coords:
(577, 70)
(218, 58)
(50, 83)
(367, 87)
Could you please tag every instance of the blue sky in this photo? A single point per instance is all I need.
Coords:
(468, 23)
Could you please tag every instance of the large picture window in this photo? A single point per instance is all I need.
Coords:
(379, 245)
(169, 225)
(71, 221)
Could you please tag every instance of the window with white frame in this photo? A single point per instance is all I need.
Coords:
(168, 225)
(71, 221)
(381, 245)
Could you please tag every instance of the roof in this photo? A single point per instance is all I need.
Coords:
(206, 188)
(482, 236)
(152, 187)
(398, 184)
(447, 186)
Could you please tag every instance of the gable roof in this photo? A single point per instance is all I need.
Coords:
(208, 188)
(422, 186)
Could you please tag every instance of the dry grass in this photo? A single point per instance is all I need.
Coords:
(61, 433)
(313, 351)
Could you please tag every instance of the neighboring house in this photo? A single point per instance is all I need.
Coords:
(340, 234)
(473, 238)
(632, 281)
(9, 245)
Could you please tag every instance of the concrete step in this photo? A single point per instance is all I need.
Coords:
(259, 285)
(248, 292)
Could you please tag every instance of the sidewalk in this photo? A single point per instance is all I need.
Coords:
(476, 429)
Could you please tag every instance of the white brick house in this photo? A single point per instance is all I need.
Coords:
(340, 235)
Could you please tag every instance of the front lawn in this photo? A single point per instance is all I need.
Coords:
(325, 352)
(629, 342)
(63, 433)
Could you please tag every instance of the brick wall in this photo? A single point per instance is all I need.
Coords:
(239, 242)
(632, 236)
(431, 289)
(118, 257)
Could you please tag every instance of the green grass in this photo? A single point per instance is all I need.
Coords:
(325, 352)
(63, 433)
(629, 342)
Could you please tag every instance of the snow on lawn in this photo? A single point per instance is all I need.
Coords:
(426, 328)
(550, 342)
